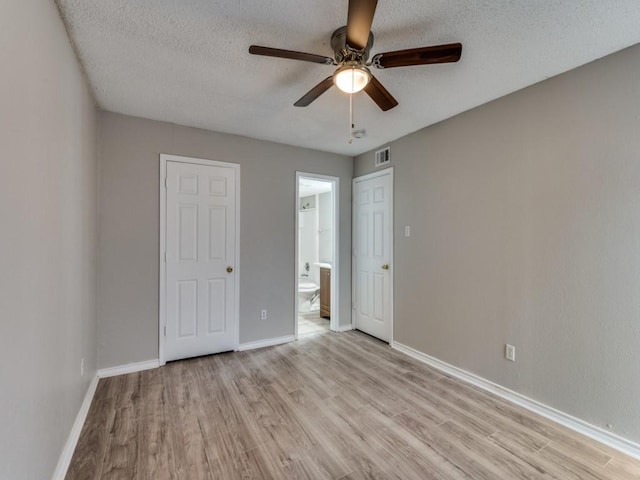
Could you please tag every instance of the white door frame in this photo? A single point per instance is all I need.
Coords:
(354, 223)
(164, 158)
(334, 321)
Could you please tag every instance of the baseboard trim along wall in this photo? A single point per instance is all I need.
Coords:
(580, 426)
(268, 342)
(345, 328)
(128, 368)
(74, 435)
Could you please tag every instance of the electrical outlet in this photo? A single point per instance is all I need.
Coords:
(407, 230)
(82, 367)
(510, 352)
(263, 315)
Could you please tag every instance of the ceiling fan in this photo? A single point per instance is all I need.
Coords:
(351, 45)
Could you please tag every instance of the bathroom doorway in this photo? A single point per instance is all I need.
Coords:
(316, 276)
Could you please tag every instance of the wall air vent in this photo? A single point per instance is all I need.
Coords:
(383, 157)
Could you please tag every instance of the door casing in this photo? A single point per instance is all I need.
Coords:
(334, 323)
(164, 158)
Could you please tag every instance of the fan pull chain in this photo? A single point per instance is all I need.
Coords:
(351, 124)
(351, 118)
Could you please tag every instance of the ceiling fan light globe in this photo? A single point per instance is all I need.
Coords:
(351, 79)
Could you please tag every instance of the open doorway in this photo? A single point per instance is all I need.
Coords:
(316, 254)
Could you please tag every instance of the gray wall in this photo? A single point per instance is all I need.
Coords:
(47, 238)
(129, 224)
(525, 218)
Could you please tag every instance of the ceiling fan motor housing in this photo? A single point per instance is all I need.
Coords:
(345, 53)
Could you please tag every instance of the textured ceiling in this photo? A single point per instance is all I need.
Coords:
(186, 61)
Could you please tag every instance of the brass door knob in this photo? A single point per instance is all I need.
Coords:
(385, 266)
(229, 269)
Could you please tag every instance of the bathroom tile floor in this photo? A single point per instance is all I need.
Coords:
(312, 326)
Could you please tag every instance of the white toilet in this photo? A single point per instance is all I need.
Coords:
(308, 301)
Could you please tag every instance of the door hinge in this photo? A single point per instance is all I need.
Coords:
(166, 184)
(165, 330)
(165, 257)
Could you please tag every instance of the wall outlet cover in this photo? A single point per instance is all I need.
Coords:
(510, 352)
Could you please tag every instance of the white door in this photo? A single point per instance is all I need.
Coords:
(200, 256)
(373, 236)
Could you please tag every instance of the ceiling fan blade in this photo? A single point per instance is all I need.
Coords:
(380, 95)
(359, 20)
(315, 92)
(418, 56)
(276, 52)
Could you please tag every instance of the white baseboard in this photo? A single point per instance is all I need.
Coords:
(269, 342)
(129, 368)
(345, 328)
(596, 433)
(72, 440)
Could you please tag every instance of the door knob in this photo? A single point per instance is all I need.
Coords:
(385, 266)
(229, 269)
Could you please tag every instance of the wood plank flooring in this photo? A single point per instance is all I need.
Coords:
(330, 406)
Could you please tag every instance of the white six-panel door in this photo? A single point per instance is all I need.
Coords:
(373, 276)
(200, 237)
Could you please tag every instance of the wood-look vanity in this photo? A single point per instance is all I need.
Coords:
(325, 292)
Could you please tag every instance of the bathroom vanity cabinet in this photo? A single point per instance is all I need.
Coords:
(325, 292)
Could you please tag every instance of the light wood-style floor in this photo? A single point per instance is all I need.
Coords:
(331, 406)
